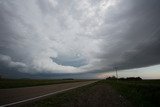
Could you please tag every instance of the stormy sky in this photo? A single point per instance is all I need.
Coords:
(78, 38)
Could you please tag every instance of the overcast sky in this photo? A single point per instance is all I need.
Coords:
(78, 38)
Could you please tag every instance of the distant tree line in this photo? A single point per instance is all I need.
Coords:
(128, 78)
(68, 79)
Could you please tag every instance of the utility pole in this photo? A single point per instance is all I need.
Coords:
(116, 72)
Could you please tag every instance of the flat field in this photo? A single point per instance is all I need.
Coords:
(145, 93)
(16, 83)
(107, 93)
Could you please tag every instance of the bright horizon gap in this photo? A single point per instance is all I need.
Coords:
(151, 72)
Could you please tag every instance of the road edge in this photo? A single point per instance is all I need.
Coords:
(45, 95)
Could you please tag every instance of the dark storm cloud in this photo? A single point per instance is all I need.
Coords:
(139, 46)
(144, 56)
(76, 62)
(78, 38)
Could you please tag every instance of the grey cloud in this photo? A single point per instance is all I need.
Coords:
(67, 61)
(46, 36)
(7, 61)
(138, 45)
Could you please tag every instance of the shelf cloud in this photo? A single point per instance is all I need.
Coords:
(78, 37)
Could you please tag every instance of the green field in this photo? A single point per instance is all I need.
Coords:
(16, 83)
(144, 93)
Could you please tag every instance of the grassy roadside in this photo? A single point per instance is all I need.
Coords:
(16, 83)
(144, 93)
(65, 99)
(101, 94)
(94, 95)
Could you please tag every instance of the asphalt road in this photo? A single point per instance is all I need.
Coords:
(10, 97)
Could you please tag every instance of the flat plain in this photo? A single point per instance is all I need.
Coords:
(103, 93)
(107, 93)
